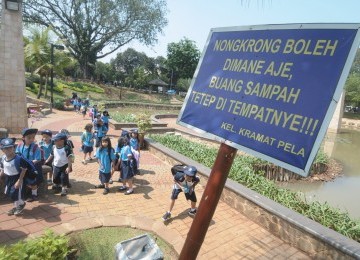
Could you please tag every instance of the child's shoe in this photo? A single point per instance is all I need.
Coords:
(106, 191)
(111, 181)
(63, 192)
(192, 212)
(166, 216)
(99, 186)
(19, 209)
(84, 162)
(122, 188)
(11, 211)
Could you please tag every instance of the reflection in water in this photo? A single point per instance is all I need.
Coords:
(344, 191)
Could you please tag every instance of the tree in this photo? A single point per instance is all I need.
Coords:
(182, 59)
(88, 26)
(352, 94)
(37, 57)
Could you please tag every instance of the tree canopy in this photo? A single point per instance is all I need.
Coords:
(86, 27)
(182, 59)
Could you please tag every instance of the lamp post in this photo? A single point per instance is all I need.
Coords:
(58, 47)
(13, 5)
(172, 71)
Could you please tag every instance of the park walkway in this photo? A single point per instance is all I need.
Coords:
(230, 236)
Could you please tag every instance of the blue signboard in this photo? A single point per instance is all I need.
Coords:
(271, 90)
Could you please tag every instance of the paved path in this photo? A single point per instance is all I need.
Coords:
(230, 236)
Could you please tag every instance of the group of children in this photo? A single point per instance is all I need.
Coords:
(124, 157)
(22, 165)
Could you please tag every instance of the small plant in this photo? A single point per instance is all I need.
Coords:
(48, 246)
(143, 122)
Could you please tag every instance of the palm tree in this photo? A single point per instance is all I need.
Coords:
(38, 60)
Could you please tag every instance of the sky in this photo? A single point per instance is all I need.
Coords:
(193, 19)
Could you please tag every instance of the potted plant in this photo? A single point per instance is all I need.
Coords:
(143, 123)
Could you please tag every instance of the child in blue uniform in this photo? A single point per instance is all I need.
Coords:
(14, 177)
(31, 151)
(125, 160)
(186, 181)
(62, 164)
(46, 145)
(105, 118)
(135, 147)
(106, 156)
(87, 142)
(100, 132)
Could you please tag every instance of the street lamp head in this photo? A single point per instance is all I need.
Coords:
(58, 47)
(13, 5)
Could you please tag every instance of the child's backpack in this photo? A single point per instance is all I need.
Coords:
(31, 172)
(34, 147)
(178, 168)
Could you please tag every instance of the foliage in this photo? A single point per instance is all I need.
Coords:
(182, 59)
(89, 26)
(135, 69)
(59, 104)
(352, 94)
(37, 54)
(243, 172)
(81, 87)
(123, 118)
(104, 72)
(48, 246)
(183, 84)
(143, 122)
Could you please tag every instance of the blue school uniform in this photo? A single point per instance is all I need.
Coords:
(134, 143)
(105, 157)
(105, 119)
(47, 148)
(126, 170)
(12, 176)
(32, 154)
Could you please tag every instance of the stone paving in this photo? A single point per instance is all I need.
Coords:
(230, 236)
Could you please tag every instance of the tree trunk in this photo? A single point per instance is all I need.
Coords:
(46, 86)
(40, 87)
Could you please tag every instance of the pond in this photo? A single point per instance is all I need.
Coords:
(344, 191)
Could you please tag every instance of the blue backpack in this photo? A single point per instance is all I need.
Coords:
(31, 172)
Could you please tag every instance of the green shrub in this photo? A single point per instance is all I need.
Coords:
(48, 246)
(123, 118)
(59, 104)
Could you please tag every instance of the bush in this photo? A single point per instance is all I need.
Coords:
(48, 246)
(59, 104)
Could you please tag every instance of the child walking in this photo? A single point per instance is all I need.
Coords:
(105, 118)
(124, 162)
(100, 132)
(62, 164)
(87, 142)
(184, 180)
(135, 147)
(31, 151)
(14, 177)
(46, 144)
(106, 156)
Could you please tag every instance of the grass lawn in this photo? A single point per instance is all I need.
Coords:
(99, 243)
